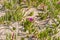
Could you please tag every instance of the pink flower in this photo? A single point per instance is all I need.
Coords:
(30, 19)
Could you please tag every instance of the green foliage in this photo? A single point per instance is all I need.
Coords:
(56, 38)
(43, 16)
(22, 38)
(31, 14)
(14, 28)
(28, 26)
(48, 38)
(8, 37)
(47, 33)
